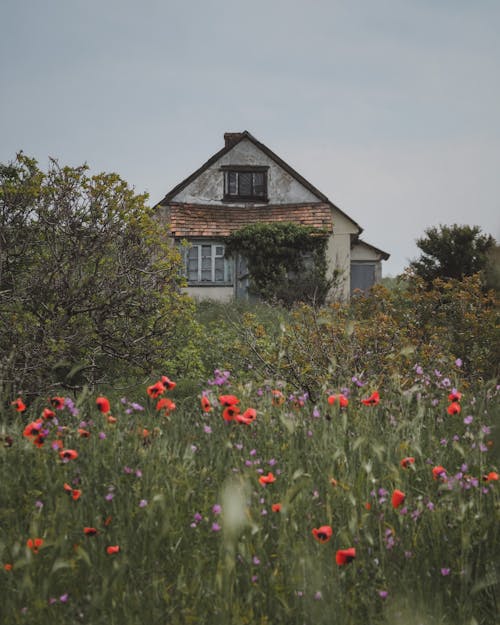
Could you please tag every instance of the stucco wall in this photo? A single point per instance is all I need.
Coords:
(208, 188)
(217, 293)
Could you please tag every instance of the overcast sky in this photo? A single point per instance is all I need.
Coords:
(390, 107)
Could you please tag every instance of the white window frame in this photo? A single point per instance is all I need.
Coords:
(200, 270)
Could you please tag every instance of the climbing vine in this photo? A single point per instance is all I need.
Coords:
(286, 261)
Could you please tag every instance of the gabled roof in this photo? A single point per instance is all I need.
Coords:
(232, 139)
(384, 255)
(209, 220)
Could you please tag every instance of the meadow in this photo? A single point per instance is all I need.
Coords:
(247, 502)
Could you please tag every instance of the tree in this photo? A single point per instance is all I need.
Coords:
(452, 252)
(89, 283)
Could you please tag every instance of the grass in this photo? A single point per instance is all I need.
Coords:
(198, 539)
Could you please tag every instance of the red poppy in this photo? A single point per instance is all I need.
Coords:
(455, 396)
(90, 531)
(112, 549)
(368, 506)
(322, 534)
(206, 406)
(107, 521)
(39, 440)
(491, 477)
(344, 556)
(111, 419)
(169, 385)
(373, 400)
(398, 498)
(19, 405)
(333, 482)
(278, 397)
(342, 399)
(247, 417)
(68, 454)
(57, 402)
(267, 479)
(74, 492)
(276, 507)
(103, 404)
(439, 472)
(8, 566)
(228, 400)
(155, 390)
(34, 544)
(57, 444)
(454, 408)
(230, 412)
(83, 433)
(165, 403)
(48, 414)
(406, 462)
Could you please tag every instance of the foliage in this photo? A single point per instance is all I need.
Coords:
(286, 261)
(197, 536)
(452, 252)
(89, 285)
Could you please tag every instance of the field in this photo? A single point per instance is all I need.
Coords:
(368, 505)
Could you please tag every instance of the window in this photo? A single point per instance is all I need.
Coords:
(245, 183)
(205, 264)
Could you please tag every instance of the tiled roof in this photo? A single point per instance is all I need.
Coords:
(207, 220)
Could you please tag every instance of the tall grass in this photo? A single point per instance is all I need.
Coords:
(198, 539)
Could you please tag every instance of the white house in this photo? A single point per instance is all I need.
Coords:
(243, 183)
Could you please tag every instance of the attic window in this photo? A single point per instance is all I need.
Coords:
(244, 183)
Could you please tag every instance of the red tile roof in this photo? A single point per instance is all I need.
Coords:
(208, 220)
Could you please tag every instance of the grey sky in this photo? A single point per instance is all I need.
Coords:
(390, 108)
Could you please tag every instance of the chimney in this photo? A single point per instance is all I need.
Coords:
(230, 138)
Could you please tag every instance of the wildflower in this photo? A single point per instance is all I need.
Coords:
(445, 572)
(111, 419)
(491, 477)
(64, 598)
(19, 405)
(206, 406)
(454, 408)
(344, 556)
(57, 402)
(368, 506)
(143, 503)
(383, 594)
(267, 479)
(228, 400)
(322, 534)
(373, 400)
(38, 504)
(439, 472)
(247, 417)
(398, 498)
(33, 429)
(166, 404)
(34, 544)
(112, 549)
(342, 399)
(455, 395)
(68, 454)
(48, 414)
(468, 419)
(230, 412)
(103, 404)
(83, 433)
(215, 527)
(102, 435)
(406, 462)
(278, 397)
(8, 566)
(74, 492)
(155, 390)
(318, 596)
(458, 362)
(89, 531)
(216, 509)
(168, 384)
(276, 507)
(207, 429)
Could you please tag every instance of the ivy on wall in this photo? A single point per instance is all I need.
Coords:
(286, 261)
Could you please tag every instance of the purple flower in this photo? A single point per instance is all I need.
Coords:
(39, 504)
(238, 446)
(256, 561)
(73, 410)
(207, 429)
(102, 435)
(418, 370)
(383, 594)
(485, 429)
(127, 470)
(216, 509)
(216, 527)
(458, 362)
(138, 473)
(445, 572)
(197, 517)
(253, 452)
(143, 503)
(468, 419)
(109, 497)
(316, 414)
(64, 598)
(318, 596)
(272, 462)
(255, 579)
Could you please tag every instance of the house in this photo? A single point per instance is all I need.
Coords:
(246, 182)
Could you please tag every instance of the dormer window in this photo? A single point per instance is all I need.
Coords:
(245, 183)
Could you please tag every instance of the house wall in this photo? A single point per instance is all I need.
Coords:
(339, 254)
(208, 188)
(216, 293)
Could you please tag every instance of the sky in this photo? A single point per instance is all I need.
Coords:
(390, 108)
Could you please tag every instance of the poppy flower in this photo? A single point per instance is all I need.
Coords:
(267, 479)
(368, 506)
(230, 412)
(166, 404)
(89, 531)
(48, 414)
(322, 534)
(344, 556)
(111, 419)
(455, 396)
(83, 433)
(34, 544)
(439, 472)
(19, 405)
(228, 400)
(169, 385)
(206, 406)
(342, 399)
(247, 417)
(398, 498)
(74, 492)
(57, 402)
(155, 390)
(278, 397)
(373, 400)
(33, 429)
(276, 507)
(112, 549)
(491, 477)
(454, 408)
(406, 462)
(107, 521)
(39, 440)
(68, 454)
(8, 566)
(103, 404)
